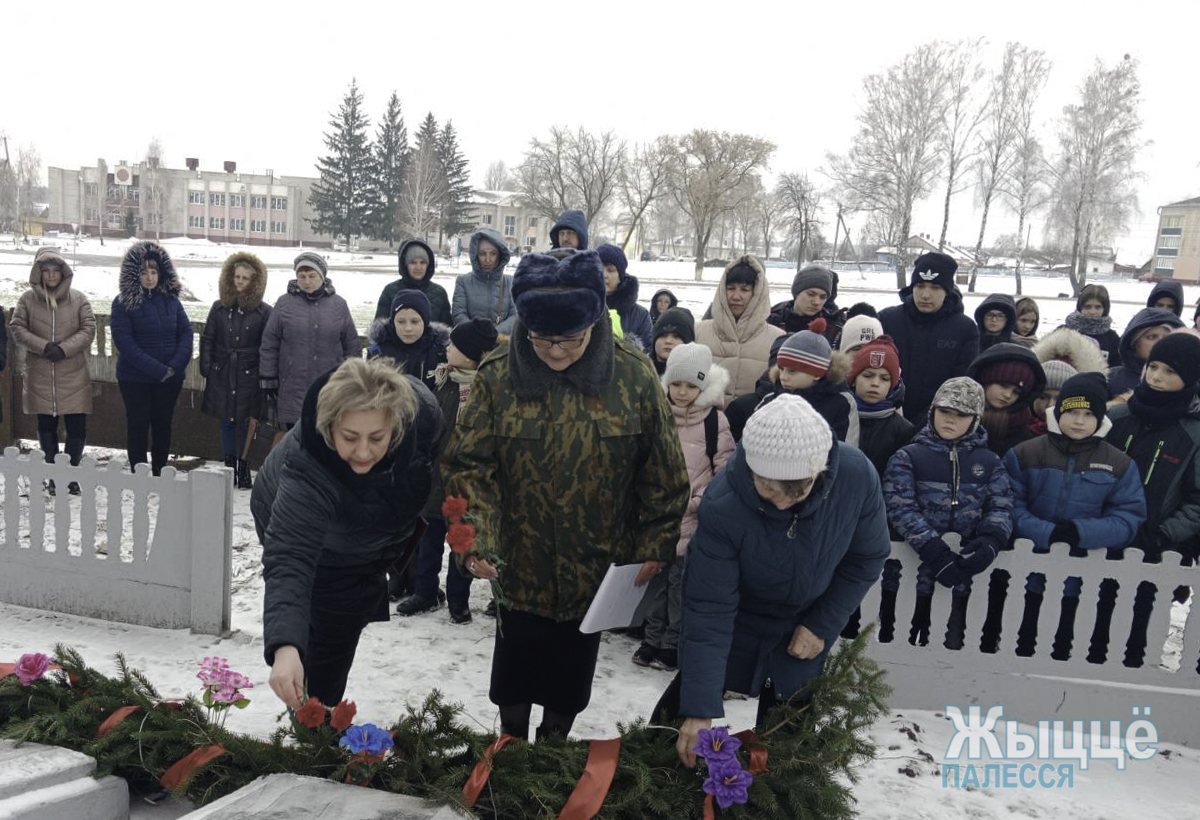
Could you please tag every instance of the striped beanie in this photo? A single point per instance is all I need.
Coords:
(807, 351)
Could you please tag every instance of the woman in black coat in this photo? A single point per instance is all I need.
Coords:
(336, 505)
(229, 355)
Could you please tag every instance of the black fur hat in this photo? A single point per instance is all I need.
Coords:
(559, 297)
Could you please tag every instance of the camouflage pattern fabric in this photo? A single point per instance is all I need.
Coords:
(561, 487)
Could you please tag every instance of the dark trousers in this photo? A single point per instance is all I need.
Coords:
(233, 437)
(667, 708)
(429, 565)
(343, 604)
(47, 427)
(149, 407)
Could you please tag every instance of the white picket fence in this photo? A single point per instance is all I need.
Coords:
(131, 547)
(1039, 687)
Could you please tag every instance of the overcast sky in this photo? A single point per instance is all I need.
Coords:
(256, 82)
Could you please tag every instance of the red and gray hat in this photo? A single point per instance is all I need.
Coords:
(807, 351)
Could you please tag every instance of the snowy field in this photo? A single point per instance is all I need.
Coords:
(401, 661)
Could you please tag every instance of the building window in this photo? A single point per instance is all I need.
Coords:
(91, 215)
(1165, 242)
(533, 222)
(216, 223)
(195, 222)
(237, 200)
(237, 224)
(279, 203)
(487, 219)
(114, 219)
(91, 189)
(1166, 264)
(278, 227)
(259, 202)
(195, 197)
(216, 200)
(114, 191)
(131, 194)
(1172, 221)
(258, 226)
(510, 226)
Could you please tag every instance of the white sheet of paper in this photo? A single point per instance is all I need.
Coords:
(615, 601)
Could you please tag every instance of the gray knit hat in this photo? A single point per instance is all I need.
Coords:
(813, 276)
(1057, 373)
(806, 351)
(311, 259)
(787, 440)
(688, 363)
(962, 394)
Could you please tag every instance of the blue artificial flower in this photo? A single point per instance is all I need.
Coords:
(717, 745)
(728, 782)
(367, 738)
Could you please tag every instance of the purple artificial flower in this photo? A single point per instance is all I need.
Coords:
(213, 671)
(717, 745)
(225, 694)
(31, 666)
(367, 738)
(728, 783)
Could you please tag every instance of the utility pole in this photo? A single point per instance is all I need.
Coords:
(836, 226)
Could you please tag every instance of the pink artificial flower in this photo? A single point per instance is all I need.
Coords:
(31, 667)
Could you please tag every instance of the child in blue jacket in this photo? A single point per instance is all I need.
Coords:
(948, 481)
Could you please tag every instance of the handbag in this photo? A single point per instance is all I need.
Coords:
(262, 435)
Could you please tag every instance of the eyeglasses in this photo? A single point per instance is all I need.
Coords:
(994, 314)
(569, 344)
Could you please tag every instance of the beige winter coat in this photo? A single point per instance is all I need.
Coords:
(62, 315)
(741, 346)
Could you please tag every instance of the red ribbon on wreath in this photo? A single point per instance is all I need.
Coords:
(483, 769)
(587, 798)
(185, 768)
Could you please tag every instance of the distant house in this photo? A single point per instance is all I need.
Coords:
(1177, 242)
(921, 243)
(507, 213)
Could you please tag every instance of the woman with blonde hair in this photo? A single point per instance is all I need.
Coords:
(53, 322)
(335, 505)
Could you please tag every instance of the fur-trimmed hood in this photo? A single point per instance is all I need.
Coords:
(1072, 347)
(253, 296)
(130, 292)
(713, 394)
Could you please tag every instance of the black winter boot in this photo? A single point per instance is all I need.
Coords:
(242, 474)
(231, 462)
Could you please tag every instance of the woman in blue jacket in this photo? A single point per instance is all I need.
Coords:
(792, 534)
(153, 338)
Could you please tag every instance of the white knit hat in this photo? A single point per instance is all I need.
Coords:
(689, 364)
(787, 440)
(859, 330)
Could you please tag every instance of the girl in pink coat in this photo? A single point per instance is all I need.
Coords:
(695, 388)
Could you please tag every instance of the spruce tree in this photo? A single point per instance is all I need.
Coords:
(455, 210)
(391, 159)
(341, 198)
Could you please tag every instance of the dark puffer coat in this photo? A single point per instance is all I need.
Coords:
(789, 321)
(439, 302)
(635, 319)
(933, 347)
(306, 335)
(149, 327)
(418, 359)
(754, 573)
(318, 521)
(229, 346)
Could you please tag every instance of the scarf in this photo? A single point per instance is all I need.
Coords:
(1156, 407)
(463, 378)
(878, 410)
(1088, 325)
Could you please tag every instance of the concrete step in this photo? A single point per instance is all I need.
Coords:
(293, 797)
(48, 783)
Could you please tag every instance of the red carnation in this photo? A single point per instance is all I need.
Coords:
(461, 537)
(454, 507)
(311, 714)
(343, 715)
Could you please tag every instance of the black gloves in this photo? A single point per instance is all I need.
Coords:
(978, 554)
(1065, 533)
(942, 562)
(53, 352)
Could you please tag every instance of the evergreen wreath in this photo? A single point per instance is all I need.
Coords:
(814, 742)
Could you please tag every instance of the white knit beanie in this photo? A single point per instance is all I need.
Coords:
(689, 364)
(859, 330)
(787, 440)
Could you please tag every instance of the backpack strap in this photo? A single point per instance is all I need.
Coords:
(711, 433)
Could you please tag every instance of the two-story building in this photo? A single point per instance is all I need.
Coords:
(1177, 242)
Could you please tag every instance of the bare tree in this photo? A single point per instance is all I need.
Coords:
(667, 216)
(1023, 187)
(894, 159)
(745, 211)
(29, 178)
(1009, 122)
(153, 187)
(769, 209)
(966, 106)
(644, 181)
(8, 191)
(1098, 143)
(424, 191)
(498, 178)
(572, 170)
(707, 167)
(799, 208)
